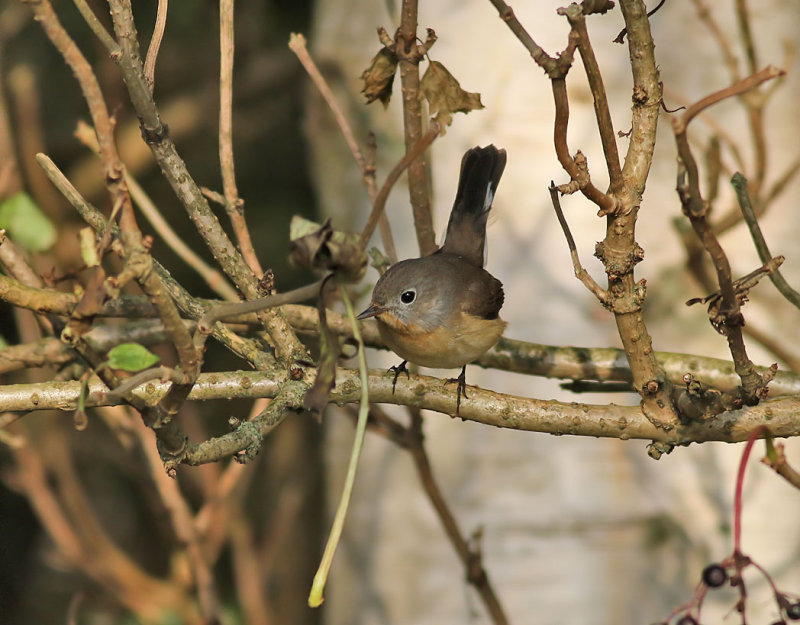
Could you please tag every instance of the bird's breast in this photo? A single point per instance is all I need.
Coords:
(447, 346)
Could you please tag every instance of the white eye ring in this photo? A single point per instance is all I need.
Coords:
(408, 296)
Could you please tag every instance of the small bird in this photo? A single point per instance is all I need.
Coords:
(442, 310)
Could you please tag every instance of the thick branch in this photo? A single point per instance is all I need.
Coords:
(424, 392)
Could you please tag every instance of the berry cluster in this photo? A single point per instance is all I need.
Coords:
(716, 575)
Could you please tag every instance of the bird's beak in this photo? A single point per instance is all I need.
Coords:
(373, 311)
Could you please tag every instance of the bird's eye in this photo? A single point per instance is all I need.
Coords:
(408, 296)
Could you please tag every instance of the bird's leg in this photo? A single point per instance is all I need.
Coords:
(398, 369)
(461, 390)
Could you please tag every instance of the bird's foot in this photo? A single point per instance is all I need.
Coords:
(461, 389)
(398, 369)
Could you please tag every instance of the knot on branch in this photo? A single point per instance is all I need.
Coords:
(657, 448)
(153, 135)
(618, 263)
(599, 7)
(172, 456)
(697, 402)
(475, 573)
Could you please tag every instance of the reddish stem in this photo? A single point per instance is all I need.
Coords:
(737, 499)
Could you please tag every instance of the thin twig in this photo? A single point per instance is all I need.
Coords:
(722, 40)
(746, 34)
(776, 460)
(234, 205)
(180, 517)
(380, 201)
(605, 125)
(155, 44)
(739, 183)
(470, 556)
(544, 60)
(754, 80)
(213, 278)
(580, 273)
(233, 309)
(97, 28)
(297, 44)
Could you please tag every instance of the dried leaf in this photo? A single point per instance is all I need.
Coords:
(323, 249)
(445, 96)
(379, 76)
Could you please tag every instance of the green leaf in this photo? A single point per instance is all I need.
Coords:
(26, 224)
(131, 357)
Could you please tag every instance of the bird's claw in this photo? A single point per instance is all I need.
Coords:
(398, 369)
(461, 389)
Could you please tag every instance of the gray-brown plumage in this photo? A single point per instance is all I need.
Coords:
(442, 310)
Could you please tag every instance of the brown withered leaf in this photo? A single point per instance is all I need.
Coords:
(323, 249)
(445, 96)
(379, 76)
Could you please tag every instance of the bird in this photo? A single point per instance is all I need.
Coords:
(443, 310)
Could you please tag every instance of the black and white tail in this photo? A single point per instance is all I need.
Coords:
(481, 169)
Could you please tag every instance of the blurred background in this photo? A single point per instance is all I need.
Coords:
(573, 531)
(41, 105)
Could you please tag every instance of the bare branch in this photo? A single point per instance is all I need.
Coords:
(155, 44)
(297, 44)
(739, 183)
(427, 393)
(580, 272)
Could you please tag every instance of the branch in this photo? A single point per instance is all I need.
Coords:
(696, 208)
(155, 44)
(575, 16)
(288, 348)
(213, 278)
(770, 72)
(580, 273)
(470, 556)
(776, 460)
(409, 54)
(380, 201)
(234, 205)
(739, 183)
(423, 392)
(297, 44)
(131, 306)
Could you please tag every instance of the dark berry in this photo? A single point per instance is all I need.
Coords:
(793, 611)
(779, 623)
(687, 620)
(714, 575)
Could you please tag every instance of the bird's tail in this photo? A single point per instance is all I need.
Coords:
(481, 169)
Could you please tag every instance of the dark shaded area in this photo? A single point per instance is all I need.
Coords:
(283, 499)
